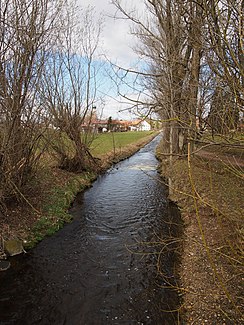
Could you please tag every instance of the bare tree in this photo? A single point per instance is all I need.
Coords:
(26, 33)
(70, 86)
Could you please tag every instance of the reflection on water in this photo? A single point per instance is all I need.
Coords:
(112, 265)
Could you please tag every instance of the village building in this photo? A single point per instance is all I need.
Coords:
(110, 125)
(140, 125)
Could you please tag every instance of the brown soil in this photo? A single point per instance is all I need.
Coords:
(212, 261)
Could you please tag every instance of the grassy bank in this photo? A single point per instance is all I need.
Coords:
(53, 190)
(209, 191)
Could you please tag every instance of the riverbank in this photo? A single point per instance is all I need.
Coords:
(53, 190)
(209, 193)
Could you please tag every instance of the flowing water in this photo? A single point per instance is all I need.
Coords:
(114, 264)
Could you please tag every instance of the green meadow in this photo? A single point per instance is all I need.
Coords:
(107, 142)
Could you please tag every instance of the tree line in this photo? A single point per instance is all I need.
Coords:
(194, 77)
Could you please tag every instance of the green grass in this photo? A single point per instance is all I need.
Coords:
(106, 142)
(55, 206)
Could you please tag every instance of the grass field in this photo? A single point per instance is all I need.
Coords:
(107, 142)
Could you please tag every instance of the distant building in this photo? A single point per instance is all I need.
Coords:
(116, 126)
(144, 126)
(140, 125)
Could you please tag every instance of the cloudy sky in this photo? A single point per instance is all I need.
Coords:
(117, 44)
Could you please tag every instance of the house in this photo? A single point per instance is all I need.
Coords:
(140, 125)
(144, 126)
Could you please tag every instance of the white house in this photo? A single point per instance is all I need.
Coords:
(140, 125)
(144, 126)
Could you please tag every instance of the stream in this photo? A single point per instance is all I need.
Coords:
(114, 264)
